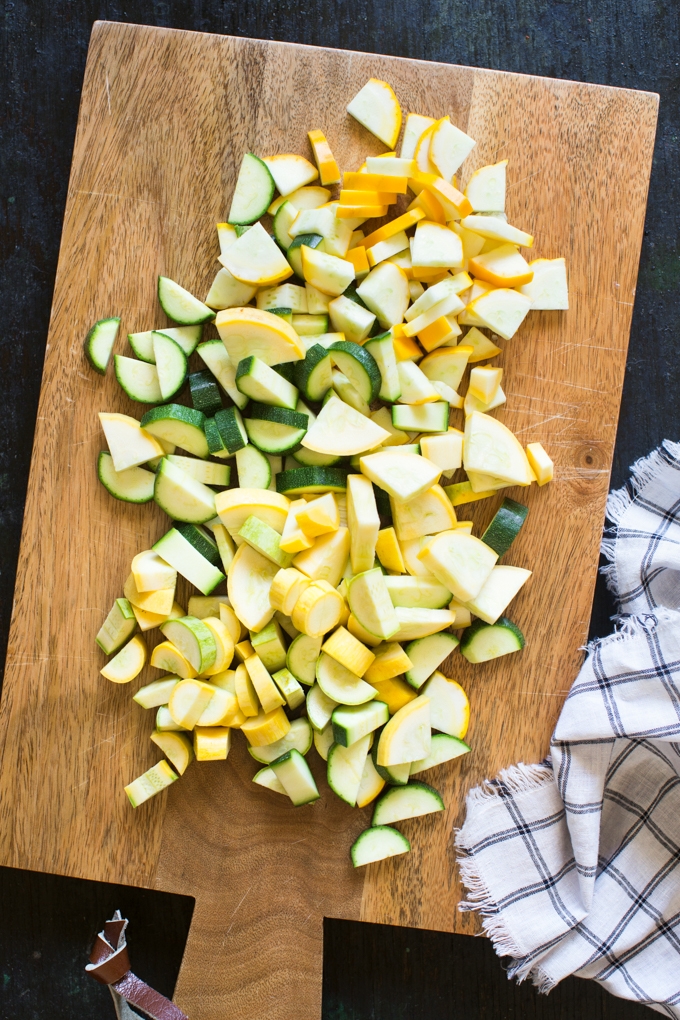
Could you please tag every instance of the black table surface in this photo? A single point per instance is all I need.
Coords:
(371, 972)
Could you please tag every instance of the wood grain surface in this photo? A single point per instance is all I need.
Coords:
(164, 120)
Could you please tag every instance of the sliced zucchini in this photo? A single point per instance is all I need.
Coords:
(156, 693)
(216, 447)
(484, 641)
(289, 687)
(202, 541)
(395, 775)
(215, 356)
(181, 306)
(180, 425)
(194, 640)
(311, 479)
(505, 526)
(289, 296)
(118, 627)
(231, 428)
(253, 192)
(432, 417)
(427, 654)
(319, 708)
(186, 336)
(228, 292)
(262, 383)
(205, 395)
(254, 470)
(359, 366)
(99, 343)
(287, 370)
(351, 318)
(347, 393)
(203, 470)
(299, 736)
(295, 776)
(152, 782)
(275, 429)
(449, 705)
(345, 767)
(323, 741)
(369, 600)
(187, 561)
(310, 325)
(417, 592)
(419, 623)
(314, 375)
(351, 722)
(138, 379)
(134, 485)
(381, 348)
(301, 658)
(442, 748)
(336, 681)
(171, 365)
(182, 497)
(376, 844)
(402, 802)
(265, 540)
(294, 252)
(283, 221)
(267, 777)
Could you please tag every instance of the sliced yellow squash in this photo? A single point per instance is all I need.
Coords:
(407, 735)
(256, 259)
(253, 331)
(128, 663)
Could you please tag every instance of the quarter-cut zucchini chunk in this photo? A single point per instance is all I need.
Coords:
(323, 741)
(406, 737)
(402, 802)
(372, 783)
(376, 844)
(250, 578)
(228, 292)
(314, 375)
(289, 687)
(275, 429)
(287, 295)
(294, 255)
(311, 479)
(180, 305)
(359, 366)
(443, 748)
(299, 736)
(484, 641)
(426, 655)
(205, 471)
(343, 431)
(260, 382)
(134, 485)
(283, 221)
(138, 379)
(127, 663)
(417, 592)
(231, 429)
(267, 777)
(418, 623)
(188, 561)
(336, 681)
(215, 356)
(254, 470)
(395, 775)
(205, 395)
(182, 497)
(201, 540)
(152, 782)
(99, 343)
(118, 626)
(449, 705)
(255, 258)
(381, 348)
(295, 776)
(253, 192)
(186, 336)
(370, 602)
(175, 423)
(505, 526)
(352, 722)
(194, 640)
(350, 318)
(265, 540)
(156, 693)
(301, 658)
(171, 365)
(433, 417)
(319, 708)
(328, 273)
(345, 768)
(254, 331)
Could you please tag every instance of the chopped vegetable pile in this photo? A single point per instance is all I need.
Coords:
(330, 390)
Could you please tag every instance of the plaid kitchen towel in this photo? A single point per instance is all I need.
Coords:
(574, 864)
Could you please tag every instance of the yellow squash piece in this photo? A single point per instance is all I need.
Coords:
(318, 609)
(245, 692)
(503, 267)
(327, 559)
(212, 743)
(430, 206)
(329, 171)
(176, 746)
(371, 784)
(359, 632)
(232, 623)
(416, 124)
(395, 692)
(223, 643)
(452, 201)
(482, 347)
(491, 448)
(446, 451)
(165, 656)
(435, 246)
(151, 783)
(364, 522)
(360, 260)
(222, 709)
(249, 582)
(406, 736)
(159, 602)
(129, 443)
(128, 663)
(267, 692)
(496, 228)
(151, 573)
(266, 728)
(293, 538)
(439, 333)
(388, 551)
(449, 148)
(149, 621)
(462, 492)
(421, 156)
(541, 463)
(252, 331)
(461, 562)
(243, 650)
(427, 514)
(406, 348)
(235, 506)
(255, 258)
(403, 222)
(377, 108)
(304, 198)
(320, 516)
(287, 586)
(187, 701)
(290, 172)
(486, 188)
(390, 660)
(348, 651)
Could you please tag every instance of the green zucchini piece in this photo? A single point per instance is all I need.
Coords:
(432, 417)
(301, 659)
(351, 722)
(119, 625)
(215, 356)
(359, 366)
(201, 540)
(376, 844)
(182, 554)
(286, 369)
(182, 497)
(295, 776)
(310, 325)
(484, 641)
(283, 313)
(427, 654)
(231, 429)
(138, 379)
(395, 775)
(99, 343)
(262, 383)
(175, 423)
(253, 193)
(319, 707)
(171, 365)
(203, 471)
(205, 394)
(180, 305)
(311, 479)
(134, 485)
(382, 350)
(313, 375)
(345, 767)
(216, 447)
(254, 470)
(275, 430)
(505, 526)
(443, 747)
(299, 736)
(294, 253)
(402, 802)
(283, 221)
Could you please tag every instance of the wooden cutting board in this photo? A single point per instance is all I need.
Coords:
(164, 121)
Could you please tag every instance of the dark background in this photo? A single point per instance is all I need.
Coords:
(371, 972)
